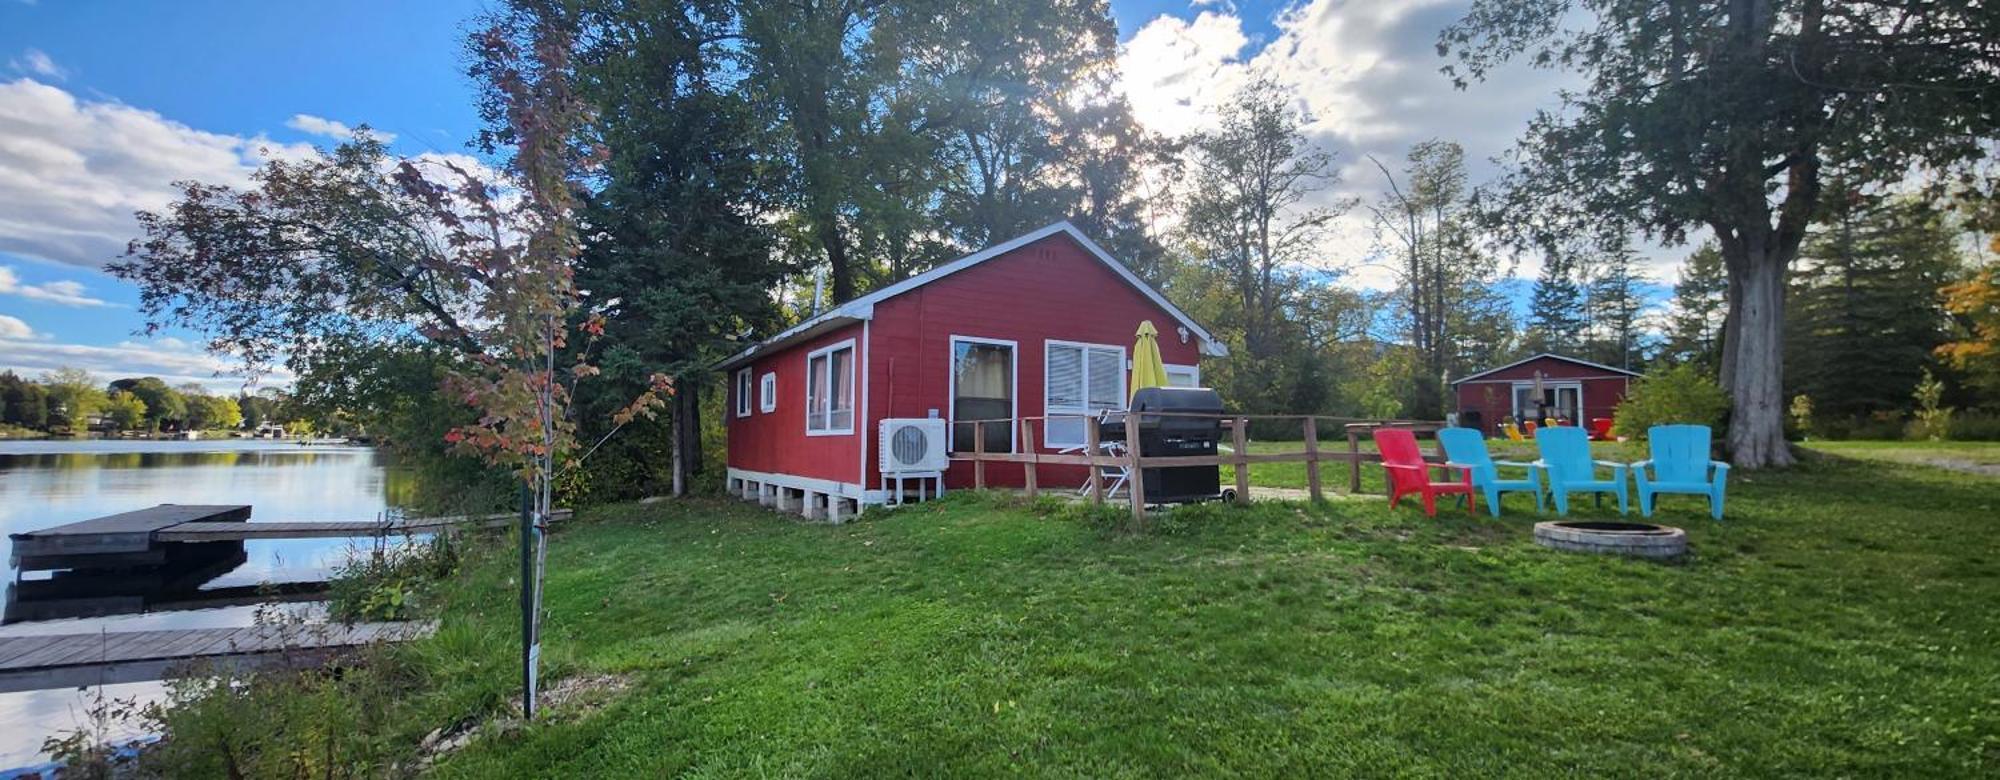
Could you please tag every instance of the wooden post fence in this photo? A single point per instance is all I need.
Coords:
(1241, 439)
(1135, 485)
(1090, 445)
(979, 455)
(1312, 458)
(1135, 462)
(1028, 446)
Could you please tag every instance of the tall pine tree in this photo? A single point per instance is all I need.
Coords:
(1694, 323)
(1866, 313)
(1555, 308)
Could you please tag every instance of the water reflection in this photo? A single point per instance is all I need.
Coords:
(45, 483)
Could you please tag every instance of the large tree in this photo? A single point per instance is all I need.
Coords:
(1695, 317)
(678, 258)
(1247, 217)
(1452, 318)
(1724, 116)
(907, 130)
(1866, 310)
(1555, 307)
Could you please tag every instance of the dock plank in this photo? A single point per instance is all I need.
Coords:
(125, 532)
(26, 652)
(38, 662)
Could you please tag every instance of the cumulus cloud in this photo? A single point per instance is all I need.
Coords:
(72, 172)
(170, 359)
(1365, 71)
(14, 328)
(64, 291)
(328, 128)
(36, 62)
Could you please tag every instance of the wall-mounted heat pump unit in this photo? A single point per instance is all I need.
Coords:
(912, 446)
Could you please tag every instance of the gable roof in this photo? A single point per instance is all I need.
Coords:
(863, 308)
(1539, 356)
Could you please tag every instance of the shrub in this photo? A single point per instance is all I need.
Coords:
(1681, 394)
(1975, 426)
(1801, 412)
(1933, 422)
(390, 583)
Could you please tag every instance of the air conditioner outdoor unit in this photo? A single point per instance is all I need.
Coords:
(913, 446)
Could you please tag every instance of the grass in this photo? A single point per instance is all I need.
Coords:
(1948, 454)
(1841, 622)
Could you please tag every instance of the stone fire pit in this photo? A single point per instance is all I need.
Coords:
(1639, 540)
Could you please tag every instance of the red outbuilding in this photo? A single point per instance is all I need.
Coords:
(1571, 390)
(1040, 326)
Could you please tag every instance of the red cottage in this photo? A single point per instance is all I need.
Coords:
(1038, 326)
(1573, 390)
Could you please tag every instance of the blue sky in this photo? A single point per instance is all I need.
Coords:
(103, 104)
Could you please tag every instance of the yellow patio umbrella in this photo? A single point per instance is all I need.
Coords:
(1148, 370)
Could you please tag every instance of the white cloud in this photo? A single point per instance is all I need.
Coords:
(64, 291)
(1366, 71)
(14, 328)
(72, 172)
(38, 63)
(339, 131)
(173, 360)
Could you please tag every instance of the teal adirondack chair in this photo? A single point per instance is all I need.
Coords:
(1680, 464)
(1465, 446)
(1566, 460)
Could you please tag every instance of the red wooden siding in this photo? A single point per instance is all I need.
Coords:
(776, 442)
(1492, 395)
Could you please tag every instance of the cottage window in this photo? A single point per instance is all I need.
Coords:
(1183, 376)
(767, 393)
(743, 393)
(1563, 400)
(1081, 382)
(982, 389)
(830, 390)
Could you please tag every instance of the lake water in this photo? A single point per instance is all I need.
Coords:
(45, 483)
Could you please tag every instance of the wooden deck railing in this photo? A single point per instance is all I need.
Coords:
(1133, 460)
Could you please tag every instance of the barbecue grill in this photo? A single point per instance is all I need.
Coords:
(1164, 431)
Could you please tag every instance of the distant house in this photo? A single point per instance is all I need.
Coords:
(1039, 326)
(1572, 389)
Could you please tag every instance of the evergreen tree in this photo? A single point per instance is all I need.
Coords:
(1694, 324)
(679, 260)
(1555, 307)
(1616, 307)
(1866, 311)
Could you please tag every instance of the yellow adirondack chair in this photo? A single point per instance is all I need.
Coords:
(1513, 433)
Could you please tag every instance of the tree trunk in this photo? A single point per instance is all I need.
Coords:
(1754, 357)
(686, 438)
(828, 227)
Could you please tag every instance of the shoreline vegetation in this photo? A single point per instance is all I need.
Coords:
(981, 635)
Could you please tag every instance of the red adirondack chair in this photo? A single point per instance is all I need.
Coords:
(1408, 473)
(1600, 428)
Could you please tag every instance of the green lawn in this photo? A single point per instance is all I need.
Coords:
(1842, 622)
(1980, 457)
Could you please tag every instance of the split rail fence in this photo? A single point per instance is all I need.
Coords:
(1134, 461)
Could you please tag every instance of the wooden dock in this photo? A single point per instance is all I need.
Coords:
(160, 535)
(67, 660)
(123, 539)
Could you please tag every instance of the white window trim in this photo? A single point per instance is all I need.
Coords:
(1192, 369)
(1124, 387)
(1515, 388)
(767, 392)
(806, 391)
(743, 393)
(951, 386)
